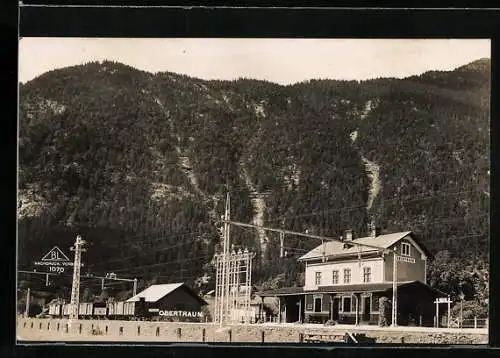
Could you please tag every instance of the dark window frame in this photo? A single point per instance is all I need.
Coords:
(335, 277)
(317, 278)
(367, 274)
(403, 251)
(347, 275)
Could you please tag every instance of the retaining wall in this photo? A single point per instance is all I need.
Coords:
(33, 329)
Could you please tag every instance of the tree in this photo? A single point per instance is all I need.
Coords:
(448, 274)
(274, 282)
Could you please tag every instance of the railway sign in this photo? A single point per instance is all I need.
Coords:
(55, 255)
(410, 260)
(196, 314)
(55, 260)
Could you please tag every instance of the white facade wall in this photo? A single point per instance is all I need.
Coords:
(326, 269)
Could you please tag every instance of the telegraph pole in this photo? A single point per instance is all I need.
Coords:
(27, 311)
(282, 239)
(394, 293)
(225, 262)
(223, 269)
(75, 288)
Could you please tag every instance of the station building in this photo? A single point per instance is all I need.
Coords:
(344, 282)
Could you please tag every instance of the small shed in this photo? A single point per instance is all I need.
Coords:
(171, 302)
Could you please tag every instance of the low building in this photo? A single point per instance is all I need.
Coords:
(344, 282)
(170, 302)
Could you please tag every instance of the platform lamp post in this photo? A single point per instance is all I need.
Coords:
(462, 296)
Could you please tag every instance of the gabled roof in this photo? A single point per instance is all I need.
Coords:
(336, 248)
(156, 292)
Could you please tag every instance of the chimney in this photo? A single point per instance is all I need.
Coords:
(348, 235)
(372, 229)
(375, 231)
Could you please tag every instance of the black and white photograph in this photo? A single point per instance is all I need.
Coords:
(253, 190)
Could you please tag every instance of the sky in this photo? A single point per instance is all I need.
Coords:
(283, 61)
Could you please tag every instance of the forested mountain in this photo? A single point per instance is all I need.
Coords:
(139, 165)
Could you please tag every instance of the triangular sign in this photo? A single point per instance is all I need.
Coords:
(55, 255)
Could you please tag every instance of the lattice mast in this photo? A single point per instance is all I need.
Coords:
(226, 260)
(222, 270)
(231, 267)
(75, 287)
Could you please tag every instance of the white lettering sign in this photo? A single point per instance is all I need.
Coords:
(56, 260)
(410, 260)
(181, 314)
(442, 300)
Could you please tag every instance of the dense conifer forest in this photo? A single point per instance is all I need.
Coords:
(139, 165)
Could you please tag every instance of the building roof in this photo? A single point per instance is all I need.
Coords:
(156, 292)
(365, 287)
(336, 248)
(285, 291)
(376, 287)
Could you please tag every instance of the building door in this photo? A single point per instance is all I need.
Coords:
(335, 309)
(367, 307)
(317, 304)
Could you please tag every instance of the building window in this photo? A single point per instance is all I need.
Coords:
(405, 249)
(346, 304)
(317, 278)
(347, 276)
(335, 277)
(367, 273)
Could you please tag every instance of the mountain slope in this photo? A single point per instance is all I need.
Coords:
(139, 164)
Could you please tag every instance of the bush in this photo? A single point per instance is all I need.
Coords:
(470, 310)
(384, 317)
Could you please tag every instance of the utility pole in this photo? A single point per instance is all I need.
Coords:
(135, 287)
(282, 241)
(75, 289)
(449, 303)
(27, 311)
(462, 296)
(222, 264)
(226, 263)
(394, 293)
